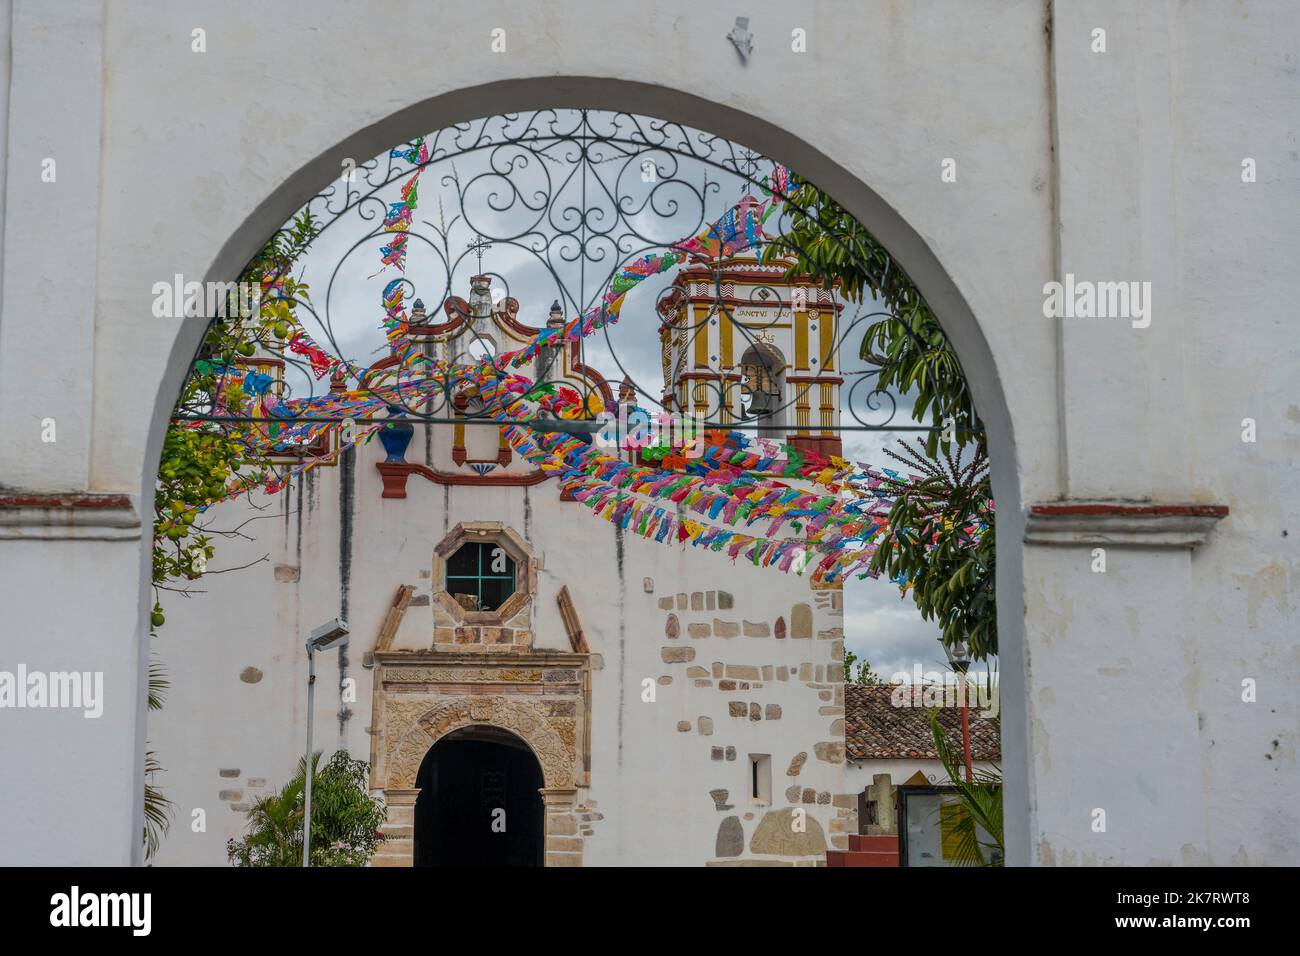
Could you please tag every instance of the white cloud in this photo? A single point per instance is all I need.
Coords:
(887, 630)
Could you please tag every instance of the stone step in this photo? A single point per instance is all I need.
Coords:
(867, 858)
(877, 842)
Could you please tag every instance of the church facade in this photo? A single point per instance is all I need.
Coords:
(529, 683)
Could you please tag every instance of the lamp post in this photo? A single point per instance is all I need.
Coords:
(959, 659)
(331, 634)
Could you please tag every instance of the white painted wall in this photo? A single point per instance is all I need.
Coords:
(650, 781)
(1117, 166)
(860, 774)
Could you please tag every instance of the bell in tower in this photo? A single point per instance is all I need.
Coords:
(760, 369)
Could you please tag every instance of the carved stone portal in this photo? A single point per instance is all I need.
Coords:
(541, 697)
(523, 718)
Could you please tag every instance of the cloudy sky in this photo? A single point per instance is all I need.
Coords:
(526, 203)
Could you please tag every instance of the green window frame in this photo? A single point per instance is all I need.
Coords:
(469, 571)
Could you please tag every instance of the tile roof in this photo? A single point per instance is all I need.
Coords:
(874, 729)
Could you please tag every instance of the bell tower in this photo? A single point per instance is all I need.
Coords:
(743, 345)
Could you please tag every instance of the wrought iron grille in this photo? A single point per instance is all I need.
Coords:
(548, 206)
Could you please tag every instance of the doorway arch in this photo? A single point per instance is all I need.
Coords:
(888, 225)
(480, 801)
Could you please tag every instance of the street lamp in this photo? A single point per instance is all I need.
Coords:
(331, 634)
(959, 659)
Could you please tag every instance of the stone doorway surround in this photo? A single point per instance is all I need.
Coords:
(540, 696)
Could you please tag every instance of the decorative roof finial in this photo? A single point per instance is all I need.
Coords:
(556, 317)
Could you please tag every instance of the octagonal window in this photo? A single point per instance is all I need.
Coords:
(480, 576)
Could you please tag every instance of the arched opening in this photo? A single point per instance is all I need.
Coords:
(472, 755)
(763, 387)
(480, 802)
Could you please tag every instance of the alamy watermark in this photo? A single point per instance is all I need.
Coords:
(637, 428)
(1084, 299)
(179, 299)
(935, 689)
(70, 690)
(130, 910)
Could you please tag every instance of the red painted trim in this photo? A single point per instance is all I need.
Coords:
(461, 457)
(261, 360)
(38, 500)
(507, 318)
(395, 477)
(813, 379)
(589, 373)
(769, 276)
(710, 377)
(379, 367)
(740, 303)
(457, 310)
(750, 272)
(1181, 511)
(440, 328)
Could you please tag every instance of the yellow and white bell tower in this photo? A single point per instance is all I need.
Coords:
(742, 345)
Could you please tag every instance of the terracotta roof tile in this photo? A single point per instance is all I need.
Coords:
(874, 729)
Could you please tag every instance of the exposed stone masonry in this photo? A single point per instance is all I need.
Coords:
(796, 834)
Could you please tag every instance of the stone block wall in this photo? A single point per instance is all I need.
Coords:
(769, 681)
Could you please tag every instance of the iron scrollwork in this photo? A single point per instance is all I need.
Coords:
(559, 200)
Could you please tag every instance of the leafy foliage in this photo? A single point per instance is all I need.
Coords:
(345, 819)
(908, 345)
(199, 464)
(950, 573)
(158, 808)
(937, 548)
(858, 671)
(981, 802)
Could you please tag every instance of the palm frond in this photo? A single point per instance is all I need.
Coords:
(980, 800)
(159, 684)
(158, 809)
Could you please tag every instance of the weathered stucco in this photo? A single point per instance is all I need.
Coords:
(1122, 690)
(649, 767)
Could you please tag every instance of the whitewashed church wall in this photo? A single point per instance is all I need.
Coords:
(1119, 166)
(665, 774)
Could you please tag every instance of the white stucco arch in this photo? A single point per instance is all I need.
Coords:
(172, 161)
(886, 223)
(889, 225)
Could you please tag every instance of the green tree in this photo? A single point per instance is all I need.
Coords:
(950, 571)
(858, 671)
(158, 809)
(199, 463)
(345, 819)
(907, 346)
(941, 544)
